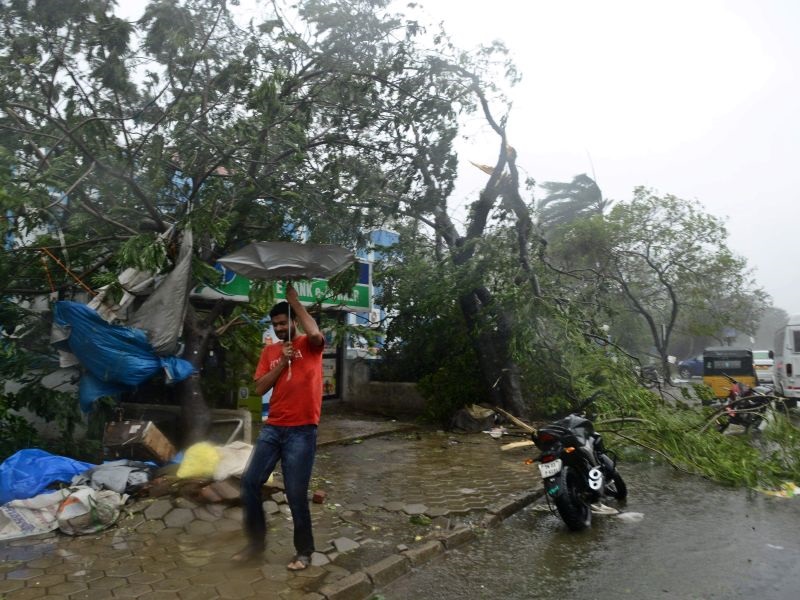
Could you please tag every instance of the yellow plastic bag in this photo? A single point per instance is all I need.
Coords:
(199, 461)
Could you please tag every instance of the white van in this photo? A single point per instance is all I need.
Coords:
(786, 369)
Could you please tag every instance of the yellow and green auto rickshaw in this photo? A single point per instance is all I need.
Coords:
(720, 361)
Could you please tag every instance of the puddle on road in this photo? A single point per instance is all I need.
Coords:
(698, 540)
(630, 517)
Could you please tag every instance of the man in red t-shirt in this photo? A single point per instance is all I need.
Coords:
(292, 368)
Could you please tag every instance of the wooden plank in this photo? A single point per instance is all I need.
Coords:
(512, 445)
(517, 421)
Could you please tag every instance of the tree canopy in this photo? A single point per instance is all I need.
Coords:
(321, 121)
(667, 261)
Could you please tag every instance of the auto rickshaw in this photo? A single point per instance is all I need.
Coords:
(734, 362)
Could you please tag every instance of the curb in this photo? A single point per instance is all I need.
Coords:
(365, 582)
(355, 438)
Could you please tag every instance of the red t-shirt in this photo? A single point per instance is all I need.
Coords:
(296, 400)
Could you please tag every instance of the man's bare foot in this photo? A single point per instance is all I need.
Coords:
(299, 563)
(248, 554)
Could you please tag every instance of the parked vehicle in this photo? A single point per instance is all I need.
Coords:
(786, 369)
(722, 363)
(744, 406)
(576, 469)
(763, 362)
(691, 367)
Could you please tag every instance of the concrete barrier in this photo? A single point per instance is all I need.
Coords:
(390, 398)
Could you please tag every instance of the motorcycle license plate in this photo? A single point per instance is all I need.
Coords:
(550, 469)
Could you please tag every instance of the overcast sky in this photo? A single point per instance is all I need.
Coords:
(694, 98)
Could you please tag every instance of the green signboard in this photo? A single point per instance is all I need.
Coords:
(233, 287)
(316, 290)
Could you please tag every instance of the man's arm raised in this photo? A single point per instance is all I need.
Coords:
(310, 327)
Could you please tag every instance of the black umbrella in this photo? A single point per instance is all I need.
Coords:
(287, 261)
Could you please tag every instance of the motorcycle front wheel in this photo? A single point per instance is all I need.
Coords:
(616, 488)
(570, 503)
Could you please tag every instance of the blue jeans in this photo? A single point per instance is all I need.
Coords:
(295, 447)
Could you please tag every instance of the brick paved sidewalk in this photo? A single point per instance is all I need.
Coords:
(393, 501)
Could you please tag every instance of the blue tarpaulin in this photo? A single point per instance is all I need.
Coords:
(28, 473)
(115, 358)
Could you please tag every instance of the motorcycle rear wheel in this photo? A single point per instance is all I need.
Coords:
(616, 488)
(570, 503)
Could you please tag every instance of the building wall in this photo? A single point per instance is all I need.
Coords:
(395, 399)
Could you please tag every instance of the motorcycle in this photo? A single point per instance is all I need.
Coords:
(576, 469)
(744, 406)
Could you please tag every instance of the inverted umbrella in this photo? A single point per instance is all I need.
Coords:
(287, 261)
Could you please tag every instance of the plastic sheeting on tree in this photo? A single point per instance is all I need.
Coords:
(161, 315)
(115, 358)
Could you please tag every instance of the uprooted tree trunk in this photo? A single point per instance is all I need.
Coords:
(489, 324)
(500, 373)
(195, 418)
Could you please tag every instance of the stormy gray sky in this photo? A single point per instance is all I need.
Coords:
(696, 98)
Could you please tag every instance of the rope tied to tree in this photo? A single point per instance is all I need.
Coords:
(66, 269)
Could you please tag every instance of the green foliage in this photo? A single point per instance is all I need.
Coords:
(145, 252)
(423, 520)
(339, 330)
(427, 341)
(703, 393)
(567, 203)
(235, 353)
(658, 266)
(781, 447)
(328, 128)
(23, 371)
(185, 119)
(564, 360)
(18, 433)
(453, 385)
(678, 433)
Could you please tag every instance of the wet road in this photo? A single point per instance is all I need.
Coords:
(682, 538)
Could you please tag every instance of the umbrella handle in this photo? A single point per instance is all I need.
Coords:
(291, 336)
